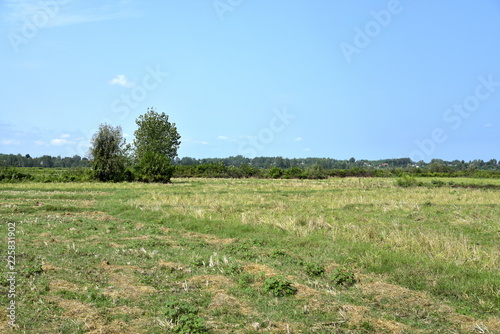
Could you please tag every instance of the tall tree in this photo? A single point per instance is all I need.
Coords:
(156, 134)
(107, 153)
(156, 143)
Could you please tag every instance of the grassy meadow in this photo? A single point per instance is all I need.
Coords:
(341, 255)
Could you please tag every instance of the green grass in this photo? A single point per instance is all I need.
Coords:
(352, 255)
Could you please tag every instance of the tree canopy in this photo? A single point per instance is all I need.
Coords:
(155, 134)
(106, 150)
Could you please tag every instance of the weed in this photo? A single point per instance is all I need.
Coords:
(314, 269)
(198, 262)
(242, 250)
(32, 269)
(343, 276)
(277, 253)
(279, 286)
(184, 317)
(284, 258)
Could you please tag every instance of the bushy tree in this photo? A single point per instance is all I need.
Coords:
(106, 150)
(156, 134)
(156, 143)
(154, 167)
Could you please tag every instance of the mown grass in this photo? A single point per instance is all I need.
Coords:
(129, 257)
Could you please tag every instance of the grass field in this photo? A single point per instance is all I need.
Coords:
(342, 255)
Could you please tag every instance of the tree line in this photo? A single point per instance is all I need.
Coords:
(439, 165)
(152, 157)
(45, 161)
(76, 161)
(328, 163)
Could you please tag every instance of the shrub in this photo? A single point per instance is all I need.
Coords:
(10, 174)
(316, 172)
(275, 172)
(129, 175)
(294, 173)
(437, 183)
(154, 167)
(407, 181)
(248, 171)
(77, 175)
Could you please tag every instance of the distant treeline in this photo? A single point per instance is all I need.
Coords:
(437, 165)
(220, 170)
(57, 169)
(46, 161)
(328, 163)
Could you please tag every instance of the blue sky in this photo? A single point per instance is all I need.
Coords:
(320, 78)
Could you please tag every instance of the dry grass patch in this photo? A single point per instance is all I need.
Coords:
(172, 266)
(123, 283)
(256, 268)
(408, 303)
(79, 311)
(94, 322)
(221, 299)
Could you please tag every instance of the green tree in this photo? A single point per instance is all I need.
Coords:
(107, 153)
(156, 134)
(156, 143)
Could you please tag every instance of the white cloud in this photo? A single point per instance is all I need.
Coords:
(65, 135)
(298, 139)
(121, 80)
(191, 141)
(488, 125)
(226, 138)
(9, 142)
(307, 149)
